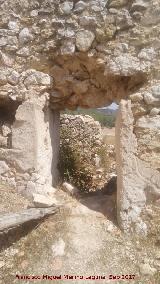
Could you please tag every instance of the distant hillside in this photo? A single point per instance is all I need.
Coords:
(108, 111)
(104, 116)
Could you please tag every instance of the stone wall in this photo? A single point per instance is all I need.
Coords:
(84, 53)
(65, 54)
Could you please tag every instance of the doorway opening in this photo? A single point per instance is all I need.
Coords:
(87, 148)
(87, 159)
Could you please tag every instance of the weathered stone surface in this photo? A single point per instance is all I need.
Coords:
(127, 65)
(37, 78)
(38, 187)
(150, 99)
(25, 36)
(3, 167)
(140, 5)
(135, 178)
(147, 130)
(66, 7)
(70, 189)
(13, 25)
(43, 201)
(154, 111)
(156, 91)
(13, 78)
(84, 40)
(147, 54)
(80, 6)
(137, 97)
(35, 154)
(117, 3)
(23, 127)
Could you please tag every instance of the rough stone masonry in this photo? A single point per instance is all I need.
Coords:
(63, 54)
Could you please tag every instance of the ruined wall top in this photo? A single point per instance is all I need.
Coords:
(102, 48)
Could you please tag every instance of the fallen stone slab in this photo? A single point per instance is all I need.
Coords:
(44, 201)
(12, 220)
(70, 189)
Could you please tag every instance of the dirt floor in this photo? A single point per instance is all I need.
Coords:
(108, 131)
(81, 240)
(10, 200)
(108, 135)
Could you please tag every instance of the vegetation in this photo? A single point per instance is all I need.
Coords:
(104, 119)
(72, 165)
